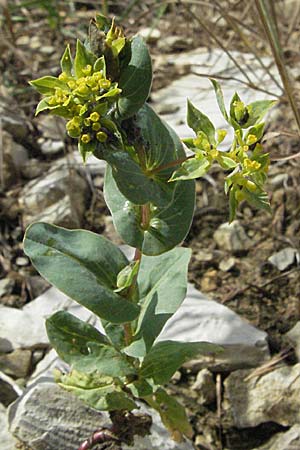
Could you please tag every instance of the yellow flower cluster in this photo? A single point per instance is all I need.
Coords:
(85, 100)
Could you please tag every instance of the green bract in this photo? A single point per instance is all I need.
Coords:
(150, 191)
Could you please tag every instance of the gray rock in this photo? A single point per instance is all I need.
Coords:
(6, 286)
(274, 397)
(47, 418)
(227, 264)
(294, 337)
(285, 258)
(32, 169)
(58, 196)
(7, 392)
(7, 440)
(14, 157)
(16, 364)
(52, 127)
(11, 119)
(174, 43)
(205, 387)
(202, 319)
(151, 35)
(50, 147)
(232, 237)
(289, 440)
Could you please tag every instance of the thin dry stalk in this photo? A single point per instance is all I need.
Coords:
(270, 365)
(270, 28)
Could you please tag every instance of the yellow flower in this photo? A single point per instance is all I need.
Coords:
(94, 116)
(101, 136)
(85, 138)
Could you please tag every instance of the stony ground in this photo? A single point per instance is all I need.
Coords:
(253, 279)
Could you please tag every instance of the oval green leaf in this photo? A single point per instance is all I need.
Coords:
(83, 265)
(168, 224)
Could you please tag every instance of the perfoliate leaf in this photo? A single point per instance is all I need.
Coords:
(172, 414)
(162, 284)
(191, 169)
(83, 265)
(135, 80)
(200, 122)
(66, 62)
(46, 85)
(174, 355)
(96, 390)
(220, 98)
(100, 65)
(42, 106)
(168, 225)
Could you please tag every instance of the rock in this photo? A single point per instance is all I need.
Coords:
(7, 393)
(12, 121)
(174, 43)
(205, 387)
(289, 440)
(7, 440)
(32, 169)
(285, 258)
(208, 281)
(202, 319)
(22, 261)
(50, 147)
(16, 364)
(32, 316)
(294, 337)
(274, 397)
(52, 127)
(58, 197)
(6, 286)
(151, 35)
(47, 418)
(232, 237)
(14, 157)
(227, 264)
(37, 285)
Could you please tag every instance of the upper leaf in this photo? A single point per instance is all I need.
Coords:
(83, 265)
(82, 58)
(135, 80)
(200, 122)
(66, 62)
(46, 85)
(162, 283)
(220, 98)
(168, 225)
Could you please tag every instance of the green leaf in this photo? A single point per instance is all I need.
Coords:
(83, 347)
(233, 120)
(258, 199)
(226, 162)
(172, 413)
(43, 104)
(257, 131)
(233, 203)
(191, 169)
(70, 335)
(162, 284)
(140, 388)
(168, 225)
(82, 58)
(257, 110)
(135, 80)
(200, 122)
(100, 65)
(96, 390)
(83, 265)
(127, 275)
(66, 62)
(173, 354)
(46, 85)
(220, 98)
(134, 184)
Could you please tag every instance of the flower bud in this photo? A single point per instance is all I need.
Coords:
(101, 136)
(85, 138)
